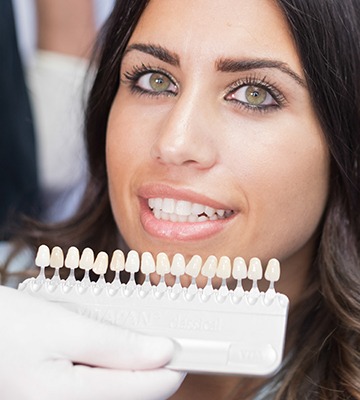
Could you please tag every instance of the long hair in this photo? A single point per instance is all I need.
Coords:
(325, 359)
(324, 329)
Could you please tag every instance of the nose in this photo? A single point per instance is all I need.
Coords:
(186, 135)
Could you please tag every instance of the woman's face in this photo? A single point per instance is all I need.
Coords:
(212, 143)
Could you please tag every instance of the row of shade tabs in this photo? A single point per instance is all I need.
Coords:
(133, 262)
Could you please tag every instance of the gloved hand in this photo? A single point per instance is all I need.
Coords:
(48, 352)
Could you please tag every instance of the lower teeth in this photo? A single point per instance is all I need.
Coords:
(159, 214)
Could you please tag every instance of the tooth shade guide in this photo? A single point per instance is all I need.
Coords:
(212, 274)
(211, 333)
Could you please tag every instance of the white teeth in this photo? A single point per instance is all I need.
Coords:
(162, 264)
(147, 263)
(151, 202)
(132, 263)
(173, 217)
(168, 205)
(272, 272)
(224, 268)
(209, 267)
(87, 259)
(117, 262)
(194, 266)
(193, 218)
(239, 269)
(57, 257)
(197, 209)
(183, 208)
(164, 215)
(72, 258)
(173, 210)
(158, 203)
(43, 256)
(255, 269)
(178, 265)
(101, 263)
(209, 211)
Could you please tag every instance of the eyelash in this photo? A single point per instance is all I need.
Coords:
(132, 77)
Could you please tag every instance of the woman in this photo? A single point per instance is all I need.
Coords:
(250, 110)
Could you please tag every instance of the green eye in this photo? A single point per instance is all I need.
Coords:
(255, 95)
(159, 82)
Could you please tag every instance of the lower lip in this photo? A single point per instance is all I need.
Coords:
(181, 231)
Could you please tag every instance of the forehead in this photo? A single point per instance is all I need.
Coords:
(216, 28)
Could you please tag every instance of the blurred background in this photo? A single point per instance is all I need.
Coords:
(45, 47)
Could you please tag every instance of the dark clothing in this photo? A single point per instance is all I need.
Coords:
(18, 170)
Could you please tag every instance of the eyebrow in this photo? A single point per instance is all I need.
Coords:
(156, 51)
(231, 65)
(222, 65)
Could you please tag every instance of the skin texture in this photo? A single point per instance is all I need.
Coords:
(269, 165)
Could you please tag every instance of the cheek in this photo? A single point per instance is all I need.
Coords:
(125, 139)
(288, 197)
(128, 140)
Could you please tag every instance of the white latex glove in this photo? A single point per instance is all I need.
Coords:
(48, 352)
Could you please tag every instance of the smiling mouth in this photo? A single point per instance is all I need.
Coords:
(168, 209)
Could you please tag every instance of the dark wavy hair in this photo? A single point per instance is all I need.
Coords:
(324, 329)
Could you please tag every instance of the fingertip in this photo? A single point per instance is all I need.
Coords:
(159, 351)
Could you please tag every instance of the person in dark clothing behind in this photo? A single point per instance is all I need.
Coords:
(19, 191)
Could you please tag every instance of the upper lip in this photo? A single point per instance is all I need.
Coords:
(165, 191)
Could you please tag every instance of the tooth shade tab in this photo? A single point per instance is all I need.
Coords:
(178, 265)
(101, 263)
(239, 271)
(56, 258)
(72, 258)
(272, 272)
(87, 259)
(224, 268)
(162, 264)
(132, 263)
(194, 266)
(117, 262)
(255, 269)
(43, 256)
(147, 263)
(209, 267)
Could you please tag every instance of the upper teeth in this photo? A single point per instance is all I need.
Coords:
(184, 211)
